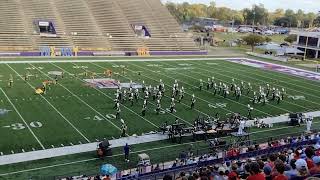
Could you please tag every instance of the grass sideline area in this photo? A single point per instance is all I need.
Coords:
(71, 111)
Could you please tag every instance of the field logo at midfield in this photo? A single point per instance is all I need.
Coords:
(278, 68)
(218, 105)
(296, 97)
(107, 83)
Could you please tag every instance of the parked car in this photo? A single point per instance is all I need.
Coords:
(282, 31)
(268, 32)
(245, 30)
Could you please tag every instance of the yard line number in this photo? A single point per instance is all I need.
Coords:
(20, 126)
(99, 118)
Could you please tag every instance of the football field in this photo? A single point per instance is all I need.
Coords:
(75, 111)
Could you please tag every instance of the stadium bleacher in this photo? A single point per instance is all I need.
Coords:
(91, 24)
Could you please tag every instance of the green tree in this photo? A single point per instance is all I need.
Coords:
(291, 18)
(253, 40)
(258, 15)
(267, 39)
(316, 22)
(291, 38)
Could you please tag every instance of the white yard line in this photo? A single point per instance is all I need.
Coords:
(110, 98)
(101, 115)
(24, 121)
(73, 126)
(215, 72)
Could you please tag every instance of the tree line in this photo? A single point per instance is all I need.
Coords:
(257, 15)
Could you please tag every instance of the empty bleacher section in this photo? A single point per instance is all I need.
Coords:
(92, 25)
(114, 24)
(12, 32)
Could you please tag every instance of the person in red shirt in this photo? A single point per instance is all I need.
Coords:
(272, 159)
(233, 175)
(255, 173)
(280, 168)
(309, 153)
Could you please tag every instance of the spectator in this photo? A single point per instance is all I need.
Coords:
(297, 154)
(255, 173)
(267, 172)
(293, 172)
(283, 158)
(175, 164)
(280, 168)
(302, 168)
(221, 174)
(316, 168)
(196, 176)
(309, 153)
(182, 176)
(157, 168)
(233, 175)
(106, 178)
(167, 177)
(272, 159)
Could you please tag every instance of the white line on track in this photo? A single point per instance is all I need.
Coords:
(110, 98)
(53, 107)
(24, 121)
(79, 98)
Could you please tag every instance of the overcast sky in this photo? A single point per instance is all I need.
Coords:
(306, 5)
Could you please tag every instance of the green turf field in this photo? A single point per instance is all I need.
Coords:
(72, 113)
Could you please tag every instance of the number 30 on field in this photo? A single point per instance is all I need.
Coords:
(20, 126)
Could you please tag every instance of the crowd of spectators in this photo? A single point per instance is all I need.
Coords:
(290, 164)
(297, 163)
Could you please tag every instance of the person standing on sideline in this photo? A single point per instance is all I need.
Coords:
(126, 150)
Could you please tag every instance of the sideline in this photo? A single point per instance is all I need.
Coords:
(92, 159)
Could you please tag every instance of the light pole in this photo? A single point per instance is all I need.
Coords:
(254, 16)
